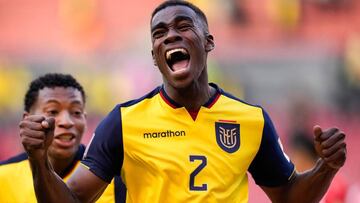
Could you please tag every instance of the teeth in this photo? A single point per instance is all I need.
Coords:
(65, 137)
(168, 53)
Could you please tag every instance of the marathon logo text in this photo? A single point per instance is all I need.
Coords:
(164, 134)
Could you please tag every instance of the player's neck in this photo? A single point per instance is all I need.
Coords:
(193, 96)
(60, 165)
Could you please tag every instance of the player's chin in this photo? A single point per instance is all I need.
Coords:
(181, 84)
(180, 81)
(62, 153)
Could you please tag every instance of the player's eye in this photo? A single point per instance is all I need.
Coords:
(184, 27)
(52, 112)
(158, 33)
(77, 113)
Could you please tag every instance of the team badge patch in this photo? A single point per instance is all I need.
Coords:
(228, 136)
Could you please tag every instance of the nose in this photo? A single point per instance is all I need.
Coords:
(172, 36)
(64, 120)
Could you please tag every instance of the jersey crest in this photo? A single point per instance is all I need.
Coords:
(228, 136)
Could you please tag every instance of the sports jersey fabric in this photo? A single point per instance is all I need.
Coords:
(16, 180)
(164, 154)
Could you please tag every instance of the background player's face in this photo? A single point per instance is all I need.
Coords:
(180, 45)
(66, 105)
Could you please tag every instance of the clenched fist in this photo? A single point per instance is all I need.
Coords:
(36, 134)
(330, 146)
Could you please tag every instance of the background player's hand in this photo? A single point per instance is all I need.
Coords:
(330, 146)
(36, 134)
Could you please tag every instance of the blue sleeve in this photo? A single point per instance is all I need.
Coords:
(271, 167)
(104, 155)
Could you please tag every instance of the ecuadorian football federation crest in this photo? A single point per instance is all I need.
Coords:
(228, 136)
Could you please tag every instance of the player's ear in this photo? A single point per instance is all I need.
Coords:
(210, 45)
(153, 56)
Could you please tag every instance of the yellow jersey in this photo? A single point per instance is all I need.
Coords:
(166, 154)
(16, 180)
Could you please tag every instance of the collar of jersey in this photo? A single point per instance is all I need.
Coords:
(78, 156)
(176, 105)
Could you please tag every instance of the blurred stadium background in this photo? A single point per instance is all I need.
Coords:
(300, 59)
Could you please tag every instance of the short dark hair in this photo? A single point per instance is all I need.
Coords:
(50, 80)
(169, 3)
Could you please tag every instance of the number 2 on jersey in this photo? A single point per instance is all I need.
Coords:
(203, 163)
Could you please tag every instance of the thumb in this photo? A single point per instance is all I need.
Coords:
(317, 132)
(48, 124)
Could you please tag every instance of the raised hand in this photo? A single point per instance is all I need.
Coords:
(330, 145)
(36, 134)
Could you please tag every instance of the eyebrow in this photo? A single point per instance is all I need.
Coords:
(177, 19)
(57, 102)
(159, 25)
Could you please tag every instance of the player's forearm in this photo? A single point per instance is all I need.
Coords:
(312, 185)
(49, 187)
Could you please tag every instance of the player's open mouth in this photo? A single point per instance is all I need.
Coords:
(65, 140)
(177, 59)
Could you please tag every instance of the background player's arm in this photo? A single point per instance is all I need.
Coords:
(313, 184)
(83, 185)
(36, 136)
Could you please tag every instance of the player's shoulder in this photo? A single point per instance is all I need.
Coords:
(80, 152)
(116, 114)
(230, 97)
(149, 95)
(13, 165)
(15, 172)
(15, 159)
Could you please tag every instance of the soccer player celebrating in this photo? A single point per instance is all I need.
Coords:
(187, 140)
(61, 97)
